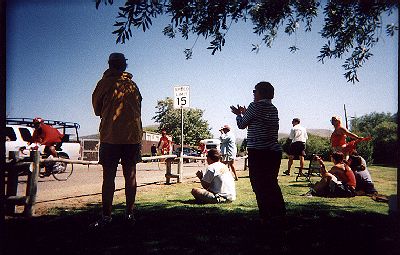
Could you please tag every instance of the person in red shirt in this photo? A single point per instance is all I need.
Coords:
(46, 135)
(339, 181)
(165, 143)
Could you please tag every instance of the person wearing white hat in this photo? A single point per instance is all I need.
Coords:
(228, 148)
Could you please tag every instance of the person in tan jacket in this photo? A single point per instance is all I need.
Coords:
(117, 101)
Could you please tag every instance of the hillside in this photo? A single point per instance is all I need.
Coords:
(320, 132)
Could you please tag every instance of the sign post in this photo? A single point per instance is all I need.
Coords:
(181, 100)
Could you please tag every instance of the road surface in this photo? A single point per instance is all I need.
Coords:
(84, 185)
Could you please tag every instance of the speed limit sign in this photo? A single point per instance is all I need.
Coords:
(181, 97)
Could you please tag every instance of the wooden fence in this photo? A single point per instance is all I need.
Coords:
(29, 200)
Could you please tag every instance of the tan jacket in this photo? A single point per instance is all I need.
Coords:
(117, 100)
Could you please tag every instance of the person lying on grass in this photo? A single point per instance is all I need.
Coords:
(337, 182)
(217, 181)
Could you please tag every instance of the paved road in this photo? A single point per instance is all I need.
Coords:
(85, 182)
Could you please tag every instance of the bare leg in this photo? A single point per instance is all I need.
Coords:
(290, 163)
(130, 187)
(232, 167)
(108, 189)
(324, 182)
(301, 164)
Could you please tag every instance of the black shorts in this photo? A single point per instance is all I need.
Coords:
(111, 154)
(297, 149)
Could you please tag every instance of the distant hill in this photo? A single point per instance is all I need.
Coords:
(95, 136)
(320, 132)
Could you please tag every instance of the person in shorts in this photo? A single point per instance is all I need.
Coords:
(298, 135)
(217, 182)
(228, 148)
(117, 101)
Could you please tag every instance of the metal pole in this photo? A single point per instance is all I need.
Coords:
(345, 116)
(180, 166)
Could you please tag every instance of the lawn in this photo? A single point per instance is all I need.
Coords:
(170, 223)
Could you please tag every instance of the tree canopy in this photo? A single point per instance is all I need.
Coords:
(383, 129)
(195, 128)
(351, 28)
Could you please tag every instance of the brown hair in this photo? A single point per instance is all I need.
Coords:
(214, 155)
(338, 157)
(265, 89)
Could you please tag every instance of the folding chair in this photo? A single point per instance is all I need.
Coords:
(313, 169)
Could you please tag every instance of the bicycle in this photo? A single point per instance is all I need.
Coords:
(61, 171)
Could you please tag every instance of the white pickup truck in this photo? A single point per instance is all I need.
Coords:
(19, 134)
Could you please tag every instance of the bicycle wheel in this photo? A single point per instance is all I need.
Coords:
(61, 170)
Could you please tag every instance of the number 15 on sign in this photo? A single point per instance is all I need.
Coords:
(181, 97)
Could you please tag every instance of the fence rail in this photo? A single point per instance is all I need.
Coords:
(29, 200)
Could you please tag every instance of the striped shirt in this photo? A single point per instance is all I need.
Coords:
(261, 119)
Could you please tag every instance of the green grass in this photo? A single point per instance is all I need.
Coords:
(169, 222)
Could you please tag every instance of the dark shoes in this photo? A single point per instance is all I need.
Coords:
(380, 198)
(106, 221)
(286, 172)
(101, 223)
(130, 219)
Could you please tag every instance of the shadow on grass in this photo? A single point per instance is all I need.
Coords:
(185, 228)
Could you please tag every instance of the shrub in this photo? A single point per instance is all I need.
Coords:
(318, 145)
(315, 145)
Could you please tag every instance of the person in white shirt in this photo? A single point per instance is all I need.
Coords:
(298, 135)
(217, 182)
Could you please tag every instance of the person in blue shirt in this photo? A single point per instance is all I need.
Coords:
(228, 148)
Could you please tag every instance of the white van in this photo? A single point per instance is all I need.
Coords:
(212, 143)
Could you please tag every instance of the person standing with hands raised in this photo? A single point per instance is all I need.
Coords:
(264, 152)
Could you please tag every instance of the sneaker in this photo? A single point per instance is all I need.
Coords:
(286, 172)
(130, 219)
(101, 223)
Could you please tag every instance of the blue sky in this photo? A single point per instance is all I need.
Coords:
(58, 50)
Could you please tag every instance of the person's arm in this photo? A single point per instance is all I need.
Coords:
(97, 100)
(204, 184)
(349, 134)
(291, 135)
(244, 116)
(335, 170)
(223, 138)
(321, 163)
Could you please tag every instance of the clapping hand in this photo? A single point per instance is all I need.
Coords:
(238, 110)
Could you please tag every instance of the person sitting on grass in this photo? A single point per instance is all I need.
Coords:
(337, 182)
(364, 183)
(217, 182)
